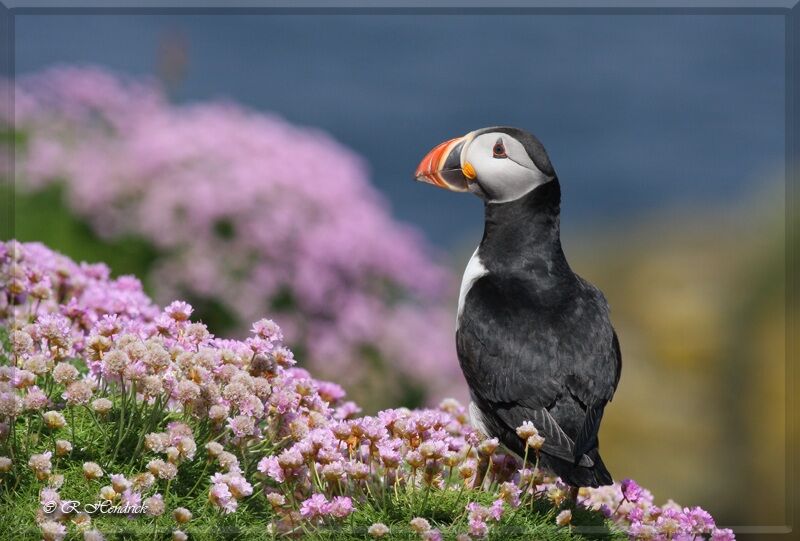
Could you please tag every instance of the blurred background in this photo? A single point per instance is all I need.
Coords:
(261, 165)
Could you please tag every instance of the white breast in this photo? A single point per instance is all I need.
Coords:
(474, 270)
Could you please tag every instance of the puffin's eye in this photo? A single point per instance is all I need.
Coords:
(499, 150)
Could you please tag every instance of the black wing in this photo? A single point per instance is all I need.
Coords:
(549, 358)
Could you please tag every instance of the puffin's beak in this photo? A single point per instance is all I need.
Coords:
(442, 166)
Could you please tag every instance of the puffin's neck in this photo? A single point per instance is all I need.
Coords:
(524, 235)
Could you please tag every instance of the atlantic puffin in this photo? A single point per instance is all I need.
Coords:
(534, 339)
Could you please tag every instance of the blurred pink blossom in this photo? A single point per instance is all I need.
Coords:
(252, 212)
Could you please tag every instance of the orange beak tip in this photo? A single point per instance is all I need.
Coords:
(431, 168)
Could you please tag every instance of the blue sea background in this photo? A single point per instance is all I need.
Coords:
(637, 112)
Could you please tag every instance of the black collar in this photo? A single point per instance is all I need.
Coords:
(523, 236)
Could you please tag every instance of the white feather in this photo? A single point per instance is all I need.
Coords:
(502, 179)
(476, 420)
(474, 270)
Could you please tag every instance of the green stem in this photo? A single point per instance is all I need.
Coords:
(151, 420)
(12, 438)
(72, 425)
(120, 423)
(199, 479)
(135, 411)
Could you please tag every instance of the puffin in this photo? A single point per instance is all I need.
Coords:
(534, 340)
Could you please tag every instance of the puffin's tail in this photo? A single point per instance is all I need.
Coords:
(601, 474)
(580, 476)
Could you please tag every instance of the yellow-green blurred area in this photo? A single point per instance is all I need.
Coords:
(698, 299)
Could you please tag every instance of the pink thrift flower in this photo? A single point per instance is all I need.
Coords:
(267, 329)
(696, 520)
(270, 466)
(341, 506)
(179, 310)
(496, 509)
(131, 498)
(630, 490)
(315, 506)
(220, 495)
(722, 535)
(48, 495)
(432, 535)
(478, 527)
(242, 425)
(239, 486)
(636, 514)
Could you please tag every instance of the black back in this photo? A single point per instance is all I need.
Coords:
(535, 341)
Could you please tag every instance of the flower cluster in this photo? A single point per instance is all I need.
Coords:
(246, 212)
(167, 415)
(632, 507)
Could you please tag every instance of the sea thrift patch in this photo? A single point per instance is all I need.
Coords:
(186, 433)
(247, 211)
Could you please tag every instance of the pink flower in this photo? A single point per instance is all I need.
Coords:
(239, 486)
(330, 392)
(631, 491)
(496, 509)
(478, 527)
(267, 329)
(640, 530)
(696, 520)
(432, 535)
(242, 425)
(722, 535)
(510, 493)
(346, 410)
(636, 515)
(35, 399)
(315, 506)
(340, 506)
(179, 310)
(564, 518)
(52, 531)
(270, 466)
(131, 498)
(220, 495)
(49, 495)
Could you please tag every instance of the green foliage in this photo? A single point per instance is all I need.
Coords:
(5, 345)
(95, 439)
(35, 216)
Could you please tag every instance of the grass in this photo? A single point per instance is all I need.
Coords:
(444, 509)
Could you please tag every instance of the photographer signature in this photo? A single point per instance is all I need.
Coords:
(104, 508)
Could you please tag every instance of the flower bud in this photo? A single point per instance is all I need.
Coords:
(92, 470)
(487, 447)
(108, 493)
(182, 515)
(526, 430)
(63, 447)
(54, 420)
(102, 405)
(535, 442)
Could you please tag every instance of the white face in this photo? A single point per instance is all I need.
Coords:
(503, 169)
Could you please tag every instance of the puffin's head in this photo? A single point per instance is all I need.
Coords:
(498, 164)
